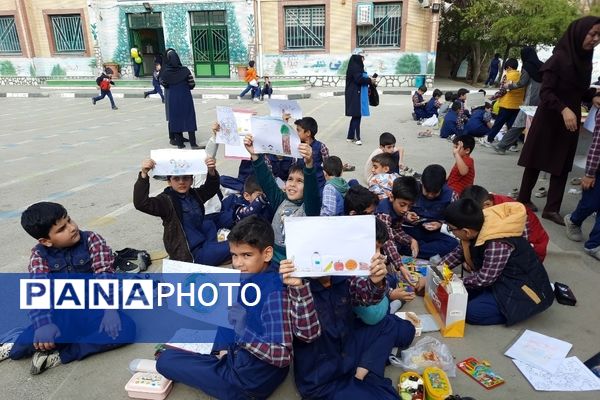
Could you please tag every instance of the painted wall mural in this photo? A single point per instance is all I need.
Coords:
(395, 63)
(59, 67)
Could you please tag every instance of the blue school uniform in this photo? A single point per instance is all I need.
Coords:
(317, 163)
(238, 374)
(450, 126)
(430, 108)
(477, 125)
(325, 368)
(420, 112)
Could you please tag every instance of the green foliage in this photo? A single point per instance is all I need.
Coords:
(430, 67)
(408, 64)
(7, 68)
(57, 70)
(343, 68)
(279, 68)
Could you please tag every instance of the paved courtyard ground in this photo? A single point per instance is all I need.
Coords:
(87, 157)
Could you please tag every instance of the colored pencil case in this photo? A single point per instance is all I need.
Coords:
(482, 373)
(148, 386)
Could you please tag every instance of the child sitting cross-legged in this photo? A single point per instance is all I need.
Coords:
(335, 188)
(382, 179)
(450, 127)
(508, 283)
(255, 361)
(61, 336)
(252, 201)
(188, 236)
(347, 361)
(299, 197)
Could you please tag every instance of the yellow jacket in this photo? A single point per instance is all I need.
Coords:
(514, 98)
(502, 221)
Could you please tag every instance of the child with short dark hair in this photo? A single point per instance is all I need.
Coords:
(419, 103)
(307, 129)
(450, 126)
(534, 231)
(462, 173)
(65, 249)
(360, 201)
(188, 235)
(335, 189)
(104, 82)
(267, 88)
(257, 360)
(463, 113)
(449, 98)
(251, 80)
(252, 201)
(156, 83)
(508, 283)
(387, 144)
(432, 106)
(480, 123)
(427, 214)
(382, 180)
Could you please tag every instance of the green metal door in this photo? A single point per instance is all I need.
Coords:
(210, 44)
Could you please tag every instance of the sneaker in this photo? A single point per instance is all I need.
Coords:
(146, 95)
(256, 100)
(181, 147)
(358, 143)
(93, 101)
(43, 360)
(487, 144)
(5, 350)
(172, 142)
(514, 148)
(239, 98)
(573, 231)
(595, 252)
(115, 108)
(498, 150)
(350, 140)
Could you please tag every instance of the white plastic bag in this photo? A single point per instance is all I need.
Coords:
(427, 352)
(253, 83)
(431, 121)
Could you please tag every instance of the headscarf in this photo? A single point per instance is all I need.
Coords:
(355, 65)
(569, 59)
(531, 63)
(174, 72)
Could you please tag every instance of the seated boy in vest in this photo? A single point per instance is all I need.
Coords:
(450, 127)
(534, 231)
(252, 201)
(188, 236)
(335, 189)
(508, 283)
(299, 197)
(307, 130)
(348, 359)
(64, 249)
(427, 214)
(382, 178)
(256, 360)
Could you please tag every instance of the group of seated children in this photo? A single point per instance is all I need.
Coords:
(425, 109)
(254, 86)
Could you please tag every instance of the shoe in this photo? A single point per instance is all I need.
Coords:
(541, 193)
(181, 147)
(115, 108)
(554, 217)
(196, 147)
(239, 98)
(593, 252)
(43, 360)
(172, 142)
(350, 140)
(255, 100)
(514, 193)
(573, 231)
(487, 144)
(186, 140)
(414, 116)
(531, 206)
(576, 181)
(146, 95)
(358, 143)
(348, 168)
(93, 101)
(514, 148)
(5, 350)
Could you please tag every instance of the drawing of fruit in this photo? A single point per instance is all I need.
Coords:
(328, 266)
(351, 265)
(338, 266)
(364, 266)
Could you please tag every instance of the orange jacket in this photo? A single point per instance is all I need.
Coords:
(250, 74)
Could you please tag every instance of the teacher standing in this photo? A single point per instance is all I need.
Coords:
(552, 139)
(356, 94)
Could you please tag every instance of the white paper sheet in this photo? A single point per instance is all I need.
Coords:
(474, 99)
(273, 136)
(280, 107)
(243, 120)
(198, 273)
(185, 339)
(539, 350)
(178, 162)
(572, 376)
(323, 246)
(237, 152)
(529, 110)
(590, 121)
(228, 133)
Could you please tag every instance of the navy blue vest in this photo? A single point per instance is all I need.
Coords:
(523, 268)
(317, 164)
(75, 259)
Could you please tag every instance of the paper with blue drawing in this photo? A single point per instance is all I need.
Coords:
(175, 162)
(274, 136)
(280, 107)
(228, 132)
(316, 247)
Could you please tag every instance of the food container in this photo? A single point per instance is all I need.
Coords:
(148, 386)
(437, 385)
(410, 386)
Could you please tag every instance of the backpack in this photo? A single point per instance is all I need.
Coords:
(373, 96)
(105, 84)
(131, 260)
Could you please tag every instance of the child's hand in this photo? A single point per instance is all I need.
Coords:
(420, 286)
(286, 116)
(43, 337)
(458, 148)
(411, 216)
(147, 165)
(432, 226)
(414, 248)
(215, 127)
(401, 294)
(237, 318)
(286, 267)
(111, 324)
(378, 269)
(249, 144)
(306, 153)
(221, 354)
(211, 164)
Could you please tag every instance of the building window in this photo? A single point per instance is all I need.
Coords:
(9, 40)
(304, 27)
(386, 28)
(67, 32)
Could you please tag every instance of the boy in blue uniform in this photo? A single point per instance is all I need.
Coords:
(255, 363)
(348, 360)
(63, 249)
(433, 105)
(156, 83)
(427, 214)
(307, 129)
(252, 201)
(480, 124)
(335, 188)
(450, 126)
(419, 103)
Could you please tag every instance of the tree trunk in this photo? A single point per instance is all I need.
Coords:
(476, 58)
